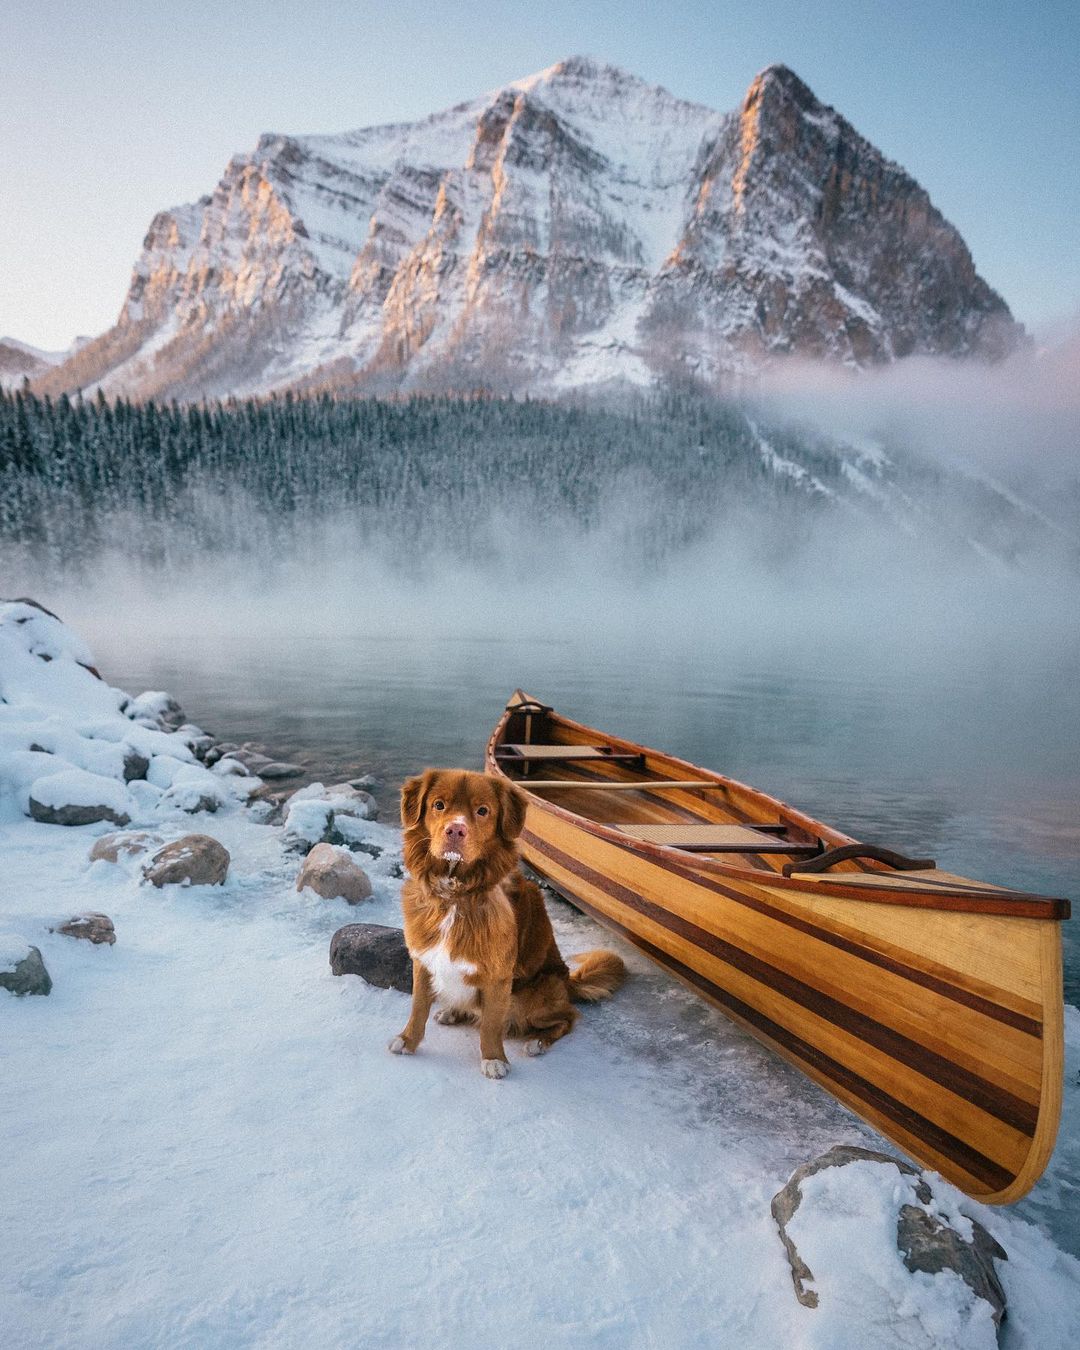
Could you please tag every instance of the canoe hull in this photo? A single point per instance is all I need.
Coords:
(942, 1029)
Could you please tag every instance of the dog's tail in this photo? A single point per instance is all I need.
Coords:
(595, 975)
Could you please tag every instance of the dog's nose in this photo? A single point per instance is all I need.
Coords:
(456, 831)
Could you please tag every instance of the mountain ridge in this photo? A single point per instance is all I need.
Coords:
(572, 229)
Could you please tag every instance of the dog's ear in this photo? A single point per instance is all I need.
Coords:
(512, 805)
(414, 793)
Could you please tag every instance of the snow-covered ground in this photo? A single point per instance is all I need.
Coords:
(205, 1142)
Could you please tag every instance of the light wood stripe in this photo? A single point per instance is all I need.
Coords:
(949, 1153)
(864, 1031)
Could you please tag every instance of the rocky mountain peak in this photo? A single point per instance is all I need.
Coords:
(575, 228)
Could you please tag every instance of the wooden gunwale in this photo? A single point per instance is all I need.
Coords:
(992, 900)
(960, 1071)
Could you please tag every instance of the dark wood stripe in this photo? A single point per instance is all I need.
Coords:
(986, 1006)
(990, 1097)
(976, 1164)
(1029, 1025)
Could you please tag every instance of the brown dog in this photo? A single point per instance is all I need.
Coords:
(477, 930)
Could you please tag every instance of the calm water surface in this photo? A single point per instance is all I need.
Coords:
(971, 762)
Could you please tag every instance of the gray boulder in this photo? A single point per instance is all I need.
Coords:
(374, 952)
(333, 874)
(276, 770)
(193, 860)
(927, 1242)
(94, 927)
(27, 975)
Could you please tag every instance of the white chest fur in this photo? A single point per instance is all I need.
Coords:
(448, 975)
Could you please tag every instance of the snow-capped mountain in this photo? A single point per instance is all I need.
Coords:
(19, 361)
(575, 228)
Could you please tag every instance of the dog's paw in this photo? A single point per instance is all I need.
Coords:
(450, 1017)
(398, 1046)
(494, 1068)
(536, 1047)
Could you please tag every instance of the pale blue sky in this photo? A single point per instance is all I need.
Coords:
(116, 109)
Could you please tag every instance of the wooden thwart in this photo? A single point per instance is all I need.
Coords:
(717, 838)
(643, 785)
(537, 751)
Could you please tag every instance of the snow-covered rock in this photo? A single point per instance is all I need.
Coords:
(22, 971)
(157, 707)
(866, 1236)
(109, 847)
(75, 797)
(573, 228)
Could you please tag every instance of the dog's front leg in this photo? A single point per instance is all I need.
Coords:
(422, 996)
(494, 1009)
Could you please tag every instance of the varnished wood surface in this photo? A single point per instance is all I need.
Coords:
(939, 1024)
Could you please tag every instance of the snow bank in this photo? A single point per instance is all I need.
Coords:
(247, 1165)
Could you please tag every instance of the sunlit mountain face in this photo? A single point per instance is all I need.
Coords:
(575, 230)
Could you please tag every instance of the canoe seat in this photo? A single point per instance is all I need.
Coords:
(534, 752)
(718, 838)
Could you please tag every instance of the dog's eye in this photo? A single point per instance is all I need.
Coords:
(439, 806)
(482, 811)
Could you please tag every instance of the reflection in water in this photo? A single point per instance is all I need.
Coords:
(972, 764)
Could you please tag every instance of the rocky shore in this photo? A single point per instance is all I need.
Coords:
(196, 1077)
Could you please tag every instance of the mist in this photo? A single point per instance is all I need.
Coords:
(1018, 420)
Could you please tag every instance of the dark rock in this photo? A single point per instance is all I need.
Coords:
(927, 1242)
(28, 976)
(94, 927)
(195, 859)
(374, 952)
(76, 815)
(135, 765)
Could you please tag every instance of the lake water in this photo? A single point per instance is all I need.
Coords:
(968, 758)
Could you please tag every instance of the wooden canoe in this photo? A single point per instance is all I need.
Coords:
(929, 1003)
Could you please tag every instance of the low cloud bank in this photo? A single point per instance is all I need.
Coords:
(1018, 420)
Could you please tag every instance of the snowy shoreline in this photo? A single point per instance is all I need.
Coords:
(210, 1146)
